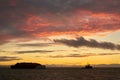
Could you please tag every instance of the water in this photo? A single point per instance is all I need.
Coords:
(61, 74)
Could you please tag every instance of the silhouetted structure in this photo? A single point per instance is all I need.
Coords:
(88, 67)
(27, 66)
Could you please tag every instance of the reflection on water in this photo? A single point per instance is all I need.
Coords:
(61, 74)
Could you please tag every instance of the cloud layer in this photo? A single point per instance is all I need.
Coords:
(34, 51)
(7, 58)
(80, 42)
(80, 56)
(29, 19)
(35, 45)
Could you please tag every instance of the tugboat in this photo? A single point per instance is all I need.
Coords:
(88, 66)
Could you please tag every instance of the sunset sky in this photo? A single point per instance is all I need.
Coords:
(60, 32)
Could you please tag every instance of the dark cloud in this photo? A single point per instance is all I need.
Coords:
(28, 19)
(80, 42)
(59, 5)
(7, 58)
(85, 55)
(55, 6)
(106, 6)
(34, 51)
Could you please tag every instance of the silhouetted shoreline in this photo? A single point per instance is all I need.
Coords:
(27, 66)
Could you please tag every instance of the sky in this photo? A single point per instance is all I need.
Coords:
(60, 32)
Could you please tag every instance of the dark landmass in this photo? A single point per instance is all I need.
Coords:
(27, 66)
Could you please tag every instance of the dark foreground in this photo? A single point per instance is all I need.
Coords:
(61, 74)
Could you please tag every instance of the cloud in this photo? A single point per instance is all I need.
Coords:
(70, 55)
(7, 58)
(86, 55)
(28, 19)
(35, 45)
(107, 6)
(80, 42)
(34, 51)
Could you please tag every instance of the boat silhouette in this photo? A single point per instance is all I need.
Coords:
(88, 66)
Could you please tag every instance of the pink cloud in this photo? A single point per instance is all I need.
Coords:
(29, 19)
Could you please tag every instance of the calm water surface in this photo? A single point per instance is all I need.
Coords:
(61, 74)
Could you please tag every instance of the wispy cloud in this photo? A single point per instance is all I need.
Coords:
(85, 55)
(70, 55)
(34, 51)
(80, 42)
(35, 44)
(8, 58)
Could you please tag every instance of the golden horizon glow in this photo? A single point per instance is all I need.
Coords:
(60, 32)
